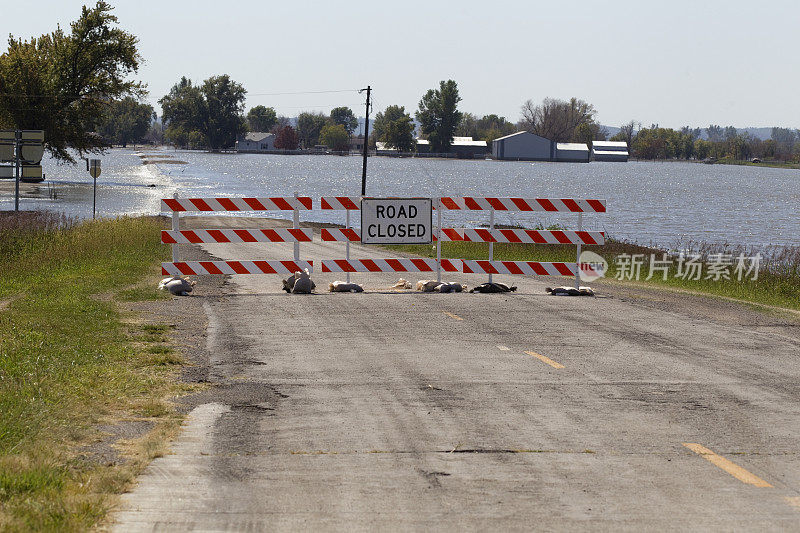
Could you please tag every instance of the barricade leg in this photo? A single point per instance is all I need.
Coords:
(296, 225)
(347, 242)
(438, 241)
(176, 226)
(578, 256)
(491, 244)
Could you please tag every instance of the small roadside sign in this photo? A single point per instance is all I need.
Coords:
(396, 221)
(94, 168)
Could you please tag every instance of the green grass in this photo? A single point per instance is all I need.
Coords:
(142, 294)
(67, 359)
(770, 164)
(778, 282)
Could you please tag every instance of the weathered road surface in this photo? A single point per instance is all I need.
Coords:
(463, 411)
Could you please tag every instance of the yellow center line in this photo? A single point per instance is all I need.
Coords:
(794, 501)
(730, 467)
(544, 359)
(451, 315)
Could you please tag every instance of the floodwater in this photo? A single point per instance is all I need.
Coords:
(665, 204)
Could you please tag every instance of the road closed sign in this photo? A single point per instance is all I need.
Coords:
(396, 221)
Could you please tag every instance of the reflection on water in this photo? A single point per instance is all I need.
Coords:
(660, 203)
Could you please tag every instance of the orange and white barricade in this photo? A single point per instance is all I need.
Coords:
(493, 235)
(177, 236)
(349, 234)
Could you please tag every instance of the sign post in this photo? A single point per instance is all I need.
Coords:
(396, 221)
(24, 150)
(16, 172)
(94, 170)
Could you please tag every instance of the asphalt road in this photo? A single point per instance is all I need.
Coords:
(524, 411)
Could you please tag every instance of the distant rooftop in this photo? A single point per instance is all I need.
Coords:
(467, 141)
(572, 146)
(610, 152)
(610, 145)
(457, 141)
(257, 136)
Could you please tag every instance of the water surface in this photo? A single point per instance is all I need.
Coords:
(658, 203)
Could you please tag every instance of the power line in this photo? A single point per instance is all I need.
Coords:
(303, 92)
(25, 95)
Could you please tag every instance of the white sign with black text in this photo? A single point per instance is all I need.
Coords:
(396, 221)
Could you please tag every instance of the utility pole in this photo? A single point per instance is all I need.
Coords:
(17, 136)
(366, 145)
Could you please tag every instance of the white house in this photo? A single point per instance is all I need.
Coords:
(523, 146)
(610, 151)
(256, 141)
(572, 152)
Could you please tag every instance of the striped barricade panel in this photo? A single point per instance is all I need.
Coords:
(519, 268)
(354, 235)
(199, 268)
(236, 235)
(351, 203)
(280, 203)
(552, 205)
(344, 234)
(529, 236)
(387, 265)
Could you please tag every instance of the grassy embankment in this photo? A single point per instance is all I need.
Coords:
(778, 282)
(770, 164)
(71, 359)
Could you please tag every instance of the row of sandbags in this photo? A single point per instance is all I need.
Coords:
(301, 283)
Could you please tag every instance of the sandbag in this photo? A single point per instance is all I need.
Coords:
(177, 286)
(449, 287)
(570, 291)
(302, 283)
(288, 283)
(488, 288)
(401, 284)
(427, 285)
(342, 286)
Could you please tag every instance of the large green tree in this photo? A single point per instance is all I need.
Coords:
(439, 116)
(225, 101)
(184, 112)
(309, 126)
(126, 121)
(261, 118)
(209, 114)
(394, 127)
(63, 83)
(486, 128)
(335, 137)
(344, 116)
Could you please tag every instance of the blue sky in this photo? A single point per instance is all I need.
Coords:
(675, 63)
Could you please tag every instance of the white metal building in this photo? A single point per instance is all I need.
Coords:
(523, 146)
(467, 147)
(572, 152)
(610, 151)
(256, 141)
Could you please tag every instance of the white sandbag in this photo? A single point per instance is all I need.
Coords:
(179, 286)
(342, 286)
(402, 284)
(427, 285)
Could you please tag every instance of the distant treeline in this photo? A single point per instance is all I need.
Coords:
(720, 143)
